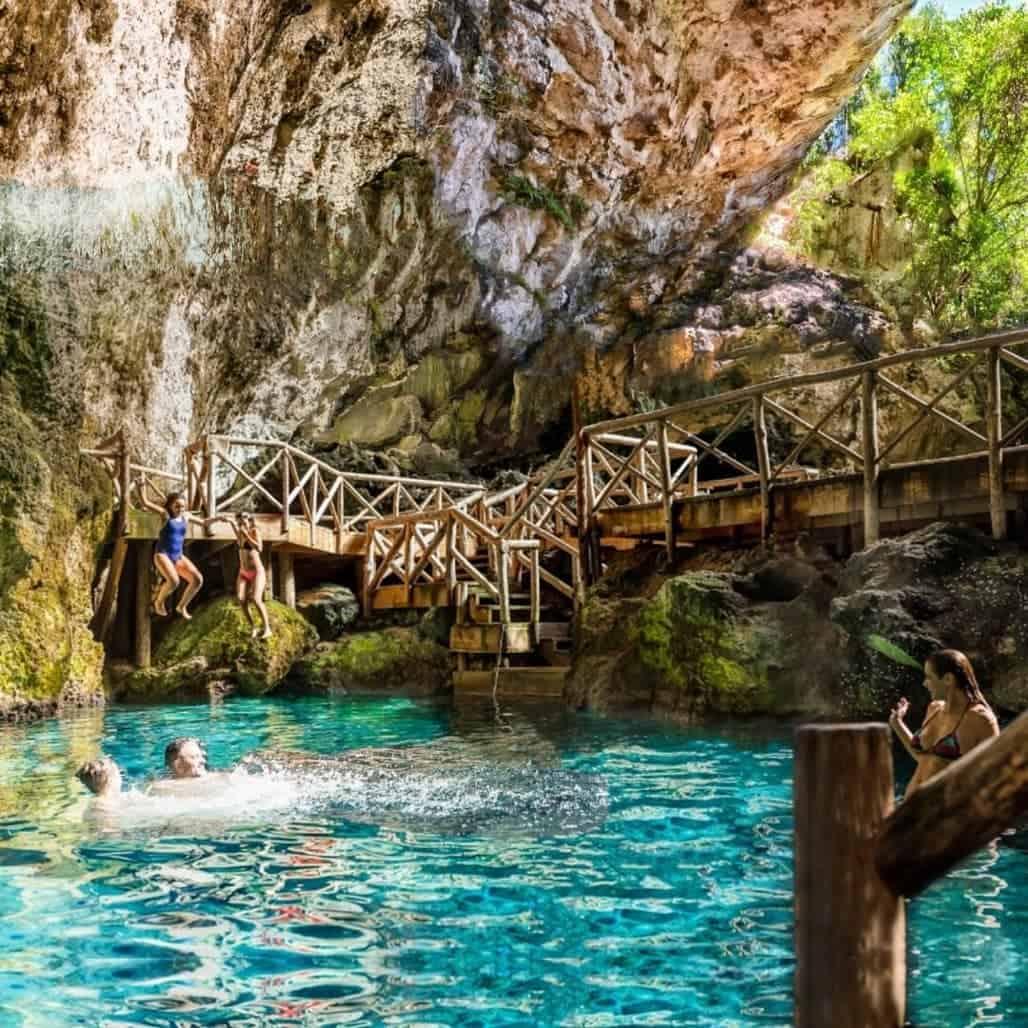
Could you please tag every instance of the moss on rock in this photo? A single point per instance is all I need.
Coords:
(51, 523)
(394, 658)
(693, 638)
(220, 635)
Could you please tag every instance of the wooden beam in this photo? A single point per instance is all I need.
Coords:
(804, 424)
(954, 423)
(872, 465)
(929, 408)
(144, 581)
(994, 431)
(850, 929)
(816, 431)
(104, 620)
(287, 579)
(956, 813)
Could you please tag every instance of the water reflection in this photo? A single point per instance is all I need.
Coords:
(546, 871)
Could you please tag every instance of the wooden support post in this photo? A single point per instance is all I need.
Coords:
(533, 586)
(104, 620)
(994, 433)
(125, 471)
(369, 569)
(144, 583)
(667, 495)
(451, 561)
(869, 449)
(285, 492)
(850, 931)
(503, 577)
(287, 579)
(763, 465)
(957, 812)
(212, 485)
(268, 560)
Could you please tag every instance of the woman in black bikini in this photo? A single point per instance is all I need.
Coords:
(957, 719)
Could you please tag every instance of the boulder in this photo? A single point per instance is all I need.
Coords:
(377, 420)
(329, 608)
(393, 659)
(216, 647)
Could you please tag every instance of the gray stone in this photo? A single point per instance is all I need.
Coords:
(329, 608)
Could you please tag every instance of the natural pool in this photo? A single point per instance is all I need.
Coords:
(492, 887)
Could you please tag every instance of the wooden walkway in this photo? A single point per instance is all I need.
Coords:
(513, 564)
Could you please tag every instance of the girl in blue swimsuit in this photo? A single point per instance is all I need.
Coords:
(957, 719)
(171, 562)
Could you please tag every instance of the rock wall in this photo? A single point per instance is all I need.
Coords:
(399, 223)
(787, 634)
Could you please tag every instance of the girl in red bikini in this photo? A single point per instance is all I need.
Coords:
(957, 719)
(252, 578)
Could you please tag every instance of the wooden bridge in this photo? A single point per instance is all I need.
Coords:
(513, 564)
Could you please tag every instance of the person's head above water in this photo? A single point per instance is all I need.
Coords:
(184, 757)
(946, 670)
(101, 777)
(174, 504)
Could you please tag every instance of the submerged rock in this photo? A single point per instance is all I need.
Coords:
(329, 608)
(216, 647)
(398, 659)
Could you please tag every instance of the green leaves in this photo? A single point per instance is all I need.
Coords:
(892, 651)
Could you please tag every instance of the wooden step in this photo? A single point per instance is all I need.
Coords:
(474, 638)
(513, 683)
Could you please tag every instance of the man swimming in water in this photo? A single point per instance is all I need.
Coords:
(101, 777)
(184, 759)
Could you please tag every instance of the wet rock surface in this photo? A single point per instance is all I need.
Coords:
(215, 650)
(329, 608)
(396, 659)
(747, 638)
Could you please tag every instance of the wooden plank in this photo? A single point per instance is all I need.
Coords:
(667, 491)
(815, 430)
(850, 930)
(956, 813)
(419, 597)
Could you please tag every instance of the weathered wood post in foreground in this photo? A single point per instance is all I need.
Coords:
(854, 864)
(850, 928)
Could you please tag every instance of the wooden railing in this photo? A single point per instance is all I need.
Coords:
(297, 485)
(856, 859)
(499, 543)
(658, 439)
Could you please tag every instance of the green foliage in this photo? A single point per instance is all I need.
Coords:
(958, 90)
(568, 210)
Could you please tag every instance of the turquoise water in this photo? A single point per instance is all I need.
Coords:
(537, 870)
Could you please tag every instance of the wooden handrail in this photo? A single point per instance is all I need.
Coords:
(813, 378)
(956, 813)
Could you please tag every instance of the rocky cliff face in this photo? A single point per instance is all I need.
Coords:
(398, 223)
(256, 213)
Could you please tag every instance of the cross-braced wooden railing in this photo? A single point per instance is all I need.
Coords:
(284, 479)
(521, 538)
(847, 434)
(449, 550)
